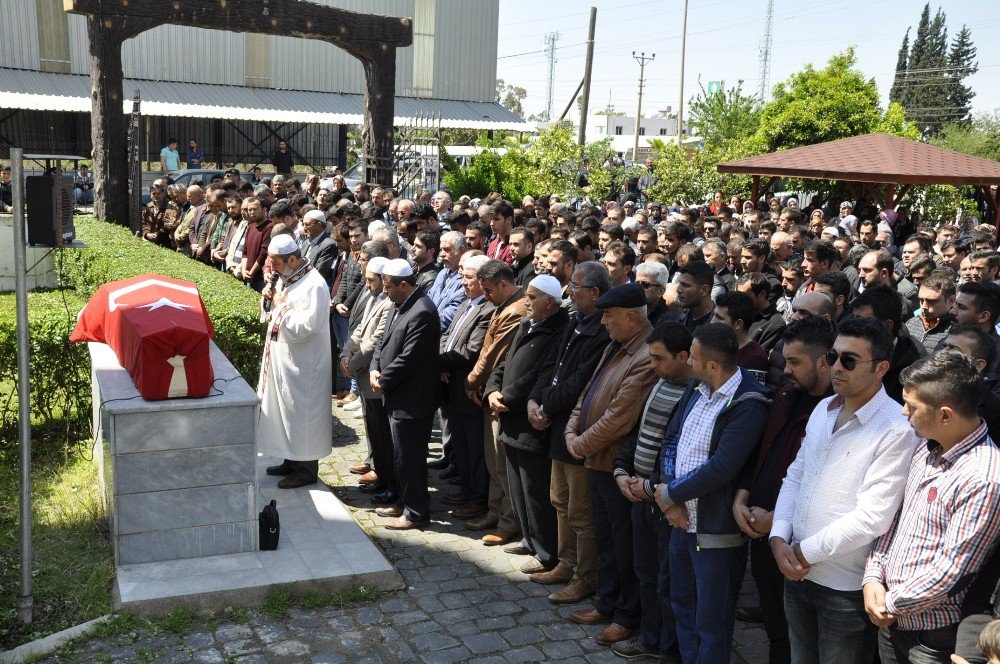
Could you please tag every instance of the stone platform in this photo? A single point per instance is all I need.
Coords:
(321, 548)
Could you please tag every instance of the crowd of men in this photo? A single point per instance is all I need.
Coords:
(638, 401)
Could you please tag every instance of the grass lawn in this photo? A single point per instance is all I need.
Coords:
(73, 563)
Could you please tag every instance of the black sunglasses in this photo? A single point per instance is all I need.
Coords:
(646, 285)
(849, 362)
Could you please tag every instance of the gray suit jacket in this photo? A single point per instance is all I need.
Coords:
(360, 348)
(461, 357)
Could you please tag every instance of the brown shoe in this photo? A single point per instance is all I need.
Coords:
(576, 591)
(369, 477)
(613, 633)
(498, 537)
(341, 395)
(469, 512)
(589, 617)
(557, 574)
(346, 399)
(393, 511)
(455, 498)
(402, 523)
(359, 468)
(534, 567)
(487, 522)
(633, 649)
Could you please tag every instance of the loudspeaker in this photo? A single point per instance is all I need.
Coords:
(45, 227)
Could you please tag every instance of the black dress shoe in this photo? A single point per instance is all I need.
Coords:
(439, 463)
(373, 487)
(450, 472)
(280, 470)
(385, 498)
(295, 480)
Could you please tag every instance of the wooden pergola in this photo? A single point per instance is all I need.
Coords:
(879, 167)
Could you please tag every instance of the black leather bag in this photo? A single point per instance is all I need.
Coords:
(270, 527)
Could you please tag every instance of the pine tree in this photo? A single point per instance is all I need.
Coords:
(961, 63)
(899, 82)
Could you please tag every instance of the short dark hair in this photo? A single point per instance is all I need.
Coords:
(612, 229)
(718, 342)
(567, 248)
(982, 236)
(375, 248)
(867, 222)
(824, 250)
(621, 250)
(581, 239)
(679, 230)
(991, 257)
(759, 283)
(739, 306)
(940, 281)
(985, 297)
(946, 377)
(424, 211)
(923, 262)
(692, 251)
(700, 272)
(874, 332)
(959, 246)
(525, 233)
(430, 240)
(758, 247)
(883, 260)
(503, 207)
(922, 241)
(281, 209)
(674, 336)
(496, 271)
(478, 227)
(838, 284)
(356, 224)
(595, 275)
(815, 332)
(886, 304)
(984, 348)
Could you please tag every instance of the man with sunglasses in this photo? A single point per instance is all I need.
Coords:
(839, 495)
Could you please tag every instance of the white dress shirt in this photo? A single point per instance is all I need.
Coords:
(844, 487)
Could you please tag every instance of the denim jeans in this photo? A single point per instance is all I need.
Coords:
(651, 539)
(827, 626)
(934, 646)
(702, 593)
(617, 585)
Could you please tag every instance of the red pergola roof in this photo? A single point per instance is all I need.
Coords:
(880, 158)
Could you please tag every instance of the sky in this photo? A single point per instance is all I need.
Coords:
(723, 43)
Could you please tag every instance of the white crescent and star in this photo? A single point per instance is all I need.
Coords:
(165, 302)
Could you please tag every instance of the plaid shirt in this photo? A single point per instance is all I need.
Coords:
(696, 435)
(943, 533)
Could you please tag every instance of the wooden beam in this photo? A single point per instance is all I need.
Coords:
(754, 190)
(900, 194)
(890, 196)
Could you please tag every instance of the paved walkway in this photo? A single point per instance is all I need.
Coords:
(463, 602)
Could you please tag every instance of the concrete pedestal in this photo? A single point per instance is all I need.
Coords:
(44, 273)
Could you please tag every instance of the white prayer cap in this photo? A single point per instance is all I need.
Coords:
(376, 226)
(548, 285)
(397, 267)
(831, 230)
(282, 245)
(316, 215)
(474, 262)
(376, 265)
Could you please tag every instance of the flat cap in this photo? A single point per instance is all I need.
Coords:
(626, 296)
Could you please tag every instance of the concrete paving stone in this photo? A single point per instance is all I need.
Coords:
(523, 635)
(455, 615)
(423, 589)
(396, 604)
(173, 657)
(604, 656)
(411, 576)
(492, 659)
(430, 604)
(569, 660)
(120, 654)
(198, 640)
(535, 603)
(233, 632)
(240, 647)
(329, 658)
(563, 631)
(255, 658)
(211, 656)
(408, 617)
(271, 633)
(485, 642)
(497, 622)
(561, 649)
(304, 624)
(340, 624)
(352, 640)
(525, 654)
(513, 593)
(402, 563)
(504, 608)
(157, 641)
(459, 584)
(400, 650)
(463, 628)
(425, 627)
(288, 648)
(538, 617)
(756, 653)
(449, 656)
(428, 642)
(453, 600)
(369, 615)
(434, 559)
(443, 573)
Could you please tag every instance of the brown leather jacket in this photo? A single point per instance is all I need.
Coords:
(157, 225)
(618, 402)
(499, 336)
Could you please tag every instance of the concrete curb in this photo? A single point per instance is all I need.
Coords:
(50, 643)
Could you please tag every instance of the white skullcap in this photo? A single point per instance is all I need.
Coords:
(316, 215)
(376, 265)
(282, 245)
(376, 226)
(548, 285)
(830, 230)
(397, 267)
(475, 262)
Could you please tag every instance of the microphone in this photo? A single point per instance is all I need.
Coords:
(271, 283)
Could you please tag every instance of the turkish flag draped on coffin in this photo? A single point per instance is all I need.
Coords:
(160, 331)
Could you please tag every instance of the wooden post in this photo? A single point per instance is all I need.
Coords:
(890, 196)
(377, 131)
(754, 191)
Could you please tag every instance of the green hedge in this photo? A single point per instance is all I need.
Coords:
(60, 370)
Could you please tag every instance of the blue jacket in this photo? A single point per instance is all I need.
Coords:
(447, 293)
(735, 436)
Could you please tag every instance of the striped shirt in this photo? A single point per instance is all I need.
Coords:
(942, 535)
(653, 425)
(695, 439)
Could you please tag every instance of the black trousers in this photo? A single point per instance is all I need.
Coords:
(465, 435)
(933, 646)
(409, 444)
(308, 468)
(380, 442)
(650, 543)
(771, 589)
(617, 585)
(529, 475)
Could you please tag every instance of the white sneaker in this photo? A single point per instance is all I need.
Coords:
(354, 405)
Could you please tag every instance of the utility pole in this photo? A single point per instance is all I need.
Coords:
(585, 103)
(550, 48)
(642, 60)
(680, 108)
(765, 54)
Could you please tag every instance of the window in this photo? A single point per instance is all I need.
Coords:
(642, 131)
(663, 131)
(618, 130)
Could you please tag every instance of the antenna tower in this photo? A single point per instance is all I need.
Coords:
(765, 54)
(550, 48)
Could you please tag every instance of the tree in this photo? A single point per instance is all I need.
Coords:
(899, 81)
(724, 116)
(961, 63)
(980, 137)
(511, 97)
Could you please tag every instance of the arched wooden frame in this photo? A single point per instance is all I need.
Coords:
(370, 38)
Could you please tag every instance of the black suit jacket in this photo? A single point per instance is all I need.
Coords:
(463, 354)
(407, 357)
(322, 256)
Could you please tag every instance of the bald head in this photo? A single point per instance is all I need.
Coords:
(814, 304)
(781, 245)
